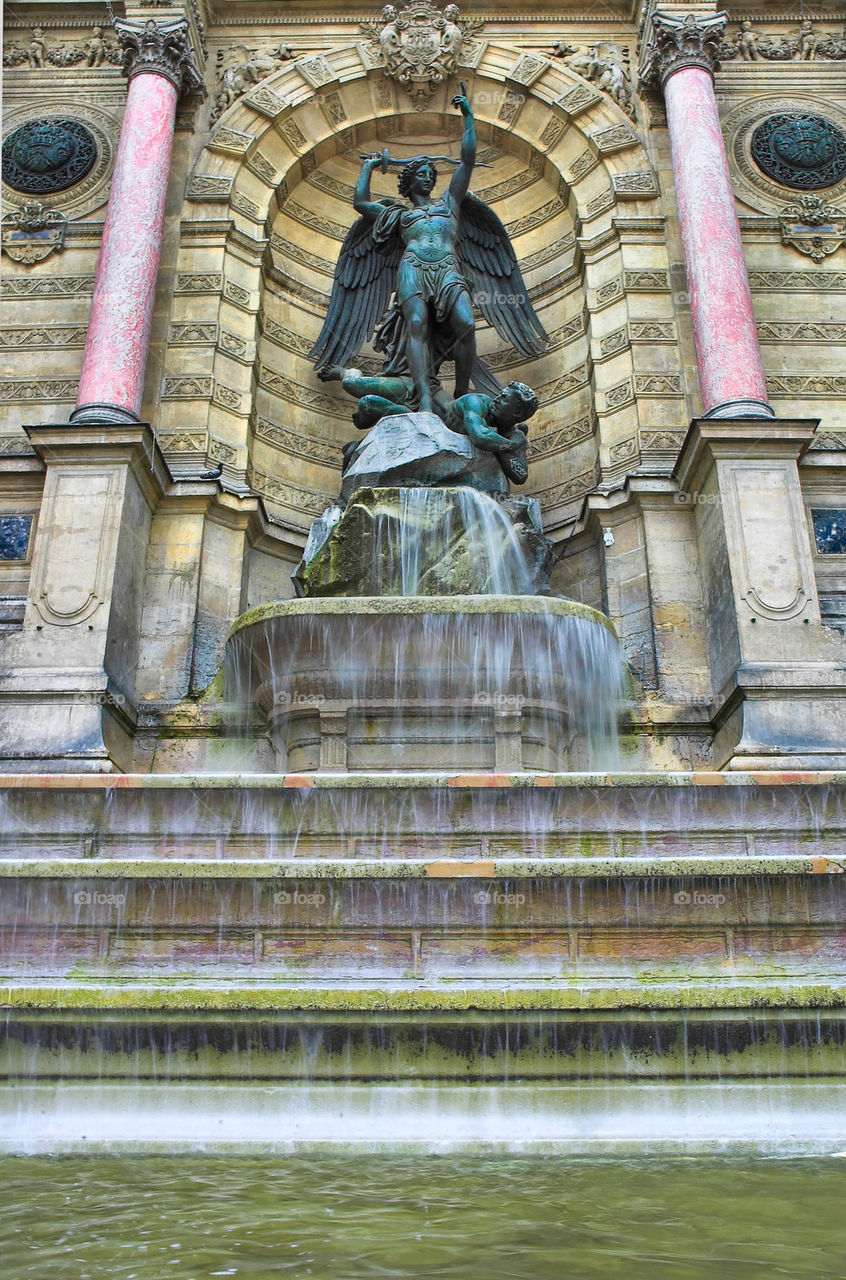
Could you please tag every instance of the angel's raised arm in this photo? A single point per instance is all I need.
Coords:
(362, 203)
(460, 184)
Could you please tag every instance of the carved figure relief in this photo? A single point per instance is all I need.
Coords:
(96, 51)
(419, 46)
(235, 78)
(605, 65)
(804, 45)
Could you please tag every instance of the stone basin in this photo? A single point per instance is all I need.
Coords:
(408, 683)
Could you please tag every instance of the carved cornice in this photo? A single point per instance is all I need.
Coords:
(677, 42)
(159, 48)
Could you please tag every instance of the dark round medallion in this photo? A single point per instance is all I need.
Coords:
(43, 156)
(803, 152)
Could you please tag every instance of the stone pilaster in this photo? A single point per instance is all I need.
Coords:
(68, 685)
(778, 686)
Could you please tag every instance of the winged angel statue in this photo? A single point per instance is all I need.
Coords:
(439, 258)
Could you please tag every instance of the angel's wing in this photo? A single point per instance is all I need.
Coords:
(361, 291)
(490, 264)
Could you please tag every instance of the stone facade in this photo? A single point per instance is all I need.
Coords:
(131, 546)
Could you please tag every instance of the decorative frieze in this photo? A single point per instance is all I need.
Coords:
(570, 491)
(658, 384)
(814, 281)
(618, 397)
(297, 444)
(47, 337)
(31, 391)
(801, 331)
(805, 43)
(192, 335)
(187, 387)
(642, 185)
(552, 442)
(617, 138)
(317, 71)
(566, 385)
(295, 393)
(816, 386)
(646, 281)
(199, 282)
(47, 286)
(304, 501)
(578, 99)
(43, 51)
(652, 331)
(205, 186)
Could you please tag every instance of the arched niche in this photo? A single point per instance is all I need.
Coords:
(282, 163)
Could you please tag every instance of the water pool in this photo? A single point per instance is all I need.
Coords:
(363, 1218)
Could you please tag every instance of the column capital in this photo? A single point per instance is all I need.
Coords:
(676, 42)
(159, 48)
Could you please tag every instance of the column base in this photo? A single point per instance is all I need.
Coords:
(741, 409)
(100, 413)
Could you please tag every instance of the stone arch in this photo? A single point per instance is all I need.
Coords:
(271, 424)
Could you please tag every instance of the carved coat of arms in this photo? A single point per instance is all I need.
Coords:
(419, 46)
(812, 227)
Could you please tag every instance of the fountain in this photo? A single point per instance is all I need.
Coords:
(388, 883)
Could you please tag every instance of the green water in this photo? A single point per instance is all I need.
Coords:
(348, 1218)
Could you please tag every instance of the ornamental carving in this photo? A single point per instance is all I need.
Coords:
(802, 151)
(781, 145)
(160, 48)
(96, 51)
(235, 75)
(44, 156)
(420, 46)
(606, 65)
(814, 228)
(678, 42)
(30, 234)
(805, 44)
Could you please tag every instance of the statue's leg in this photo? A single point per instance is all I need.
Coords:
(372, 408)
(463, 326)
(415, 312)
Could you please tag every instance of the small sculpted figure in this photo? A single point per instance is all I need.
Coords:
(95, 48)
(808, 41)
(747, 43)
(37, 52)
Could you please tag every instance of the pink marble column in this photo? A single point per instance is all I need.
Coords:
(111, 385)
(682, 58)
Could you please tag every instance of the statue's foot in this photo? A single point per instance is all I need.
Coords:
(331, 373)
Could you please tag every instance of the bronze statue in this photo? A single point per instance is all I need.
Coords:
(439, 257)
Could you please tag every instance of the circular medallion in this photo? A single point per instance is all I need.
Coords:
(799, 151)
(44, 156)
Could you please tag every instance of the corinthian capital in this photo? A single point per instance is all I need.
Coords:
(160, 48)
(676, 42)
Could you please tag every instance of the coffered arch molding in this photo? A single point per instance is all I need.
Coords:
(585, 158)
